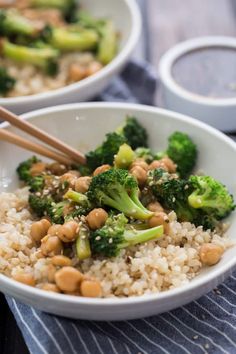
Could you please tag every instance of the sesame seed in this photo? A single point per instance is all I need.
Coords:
(98, 238)
(110, 240)
(195, 337)
(173, 199)
(207, 346)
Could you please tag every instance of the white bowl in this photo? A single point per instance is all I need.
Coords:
(218, 112)
(127, 20)
(84, 126)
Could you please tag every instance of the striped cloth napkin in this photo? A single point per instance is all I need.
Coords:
(207, 325)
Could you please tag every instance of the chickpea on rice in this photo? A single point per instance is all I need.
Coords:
(153, 267)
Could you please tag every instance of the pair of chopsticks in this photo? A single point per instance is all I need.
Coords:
(66, 155)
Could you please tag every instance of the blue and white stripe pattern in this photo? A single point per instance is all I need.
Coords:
(204, 326)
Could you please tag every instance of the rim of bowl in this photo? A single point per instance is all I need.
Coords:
(168, 59)
(107, 70)
(168, 294)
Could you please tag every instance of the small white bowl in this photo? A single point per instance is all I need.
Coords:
(218, 112)
(127, 19)
(84, 127)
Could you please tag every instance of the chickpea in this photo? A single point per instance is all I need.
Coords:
(61, 261)
(68, 231)
(51, 271)
(68, 279)
(159, 218)
(77, 72)
(96, 218)
(27, 279)
(157, 164)
(210, 253)
(39, 229)
(140, 162)
(140, 174)
(56, 168)
(51, 246)
(38, 168)
(70, 178)
(93, 68)
(155, 206)
(50, 287)
(82, 184)
(53, 230)
(170, 165)
(90, 288)
(101, 169)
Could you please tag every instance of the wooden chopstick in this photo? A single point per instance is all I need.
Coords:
(41, 135)
(29, 145)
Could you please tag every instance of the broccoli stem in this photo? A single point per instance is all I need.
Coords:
(12, 22)
(123, 202)
(107, 47)
(66, 40)
(134, 237)
(41, 57)
(76, 197)
(124, 157)
(83, 249)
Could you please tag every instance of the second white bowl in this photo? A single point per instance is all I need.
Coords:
(127, 20)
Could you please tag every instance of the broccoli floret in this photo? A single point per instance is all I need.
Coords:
(71, 38)
(24, 167)
(7, 82)
(56, 212)
(36, 183)
(117, 234)
(180, 195)
(44, 58)
(83, 249)
(182, 150)
(118, 189)
(131, 133)
(104, 154)
(172, 193)
(144, 153)
(125, 156)
(134, 133)
(211, 196)
(12, 23)
(40, 205)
